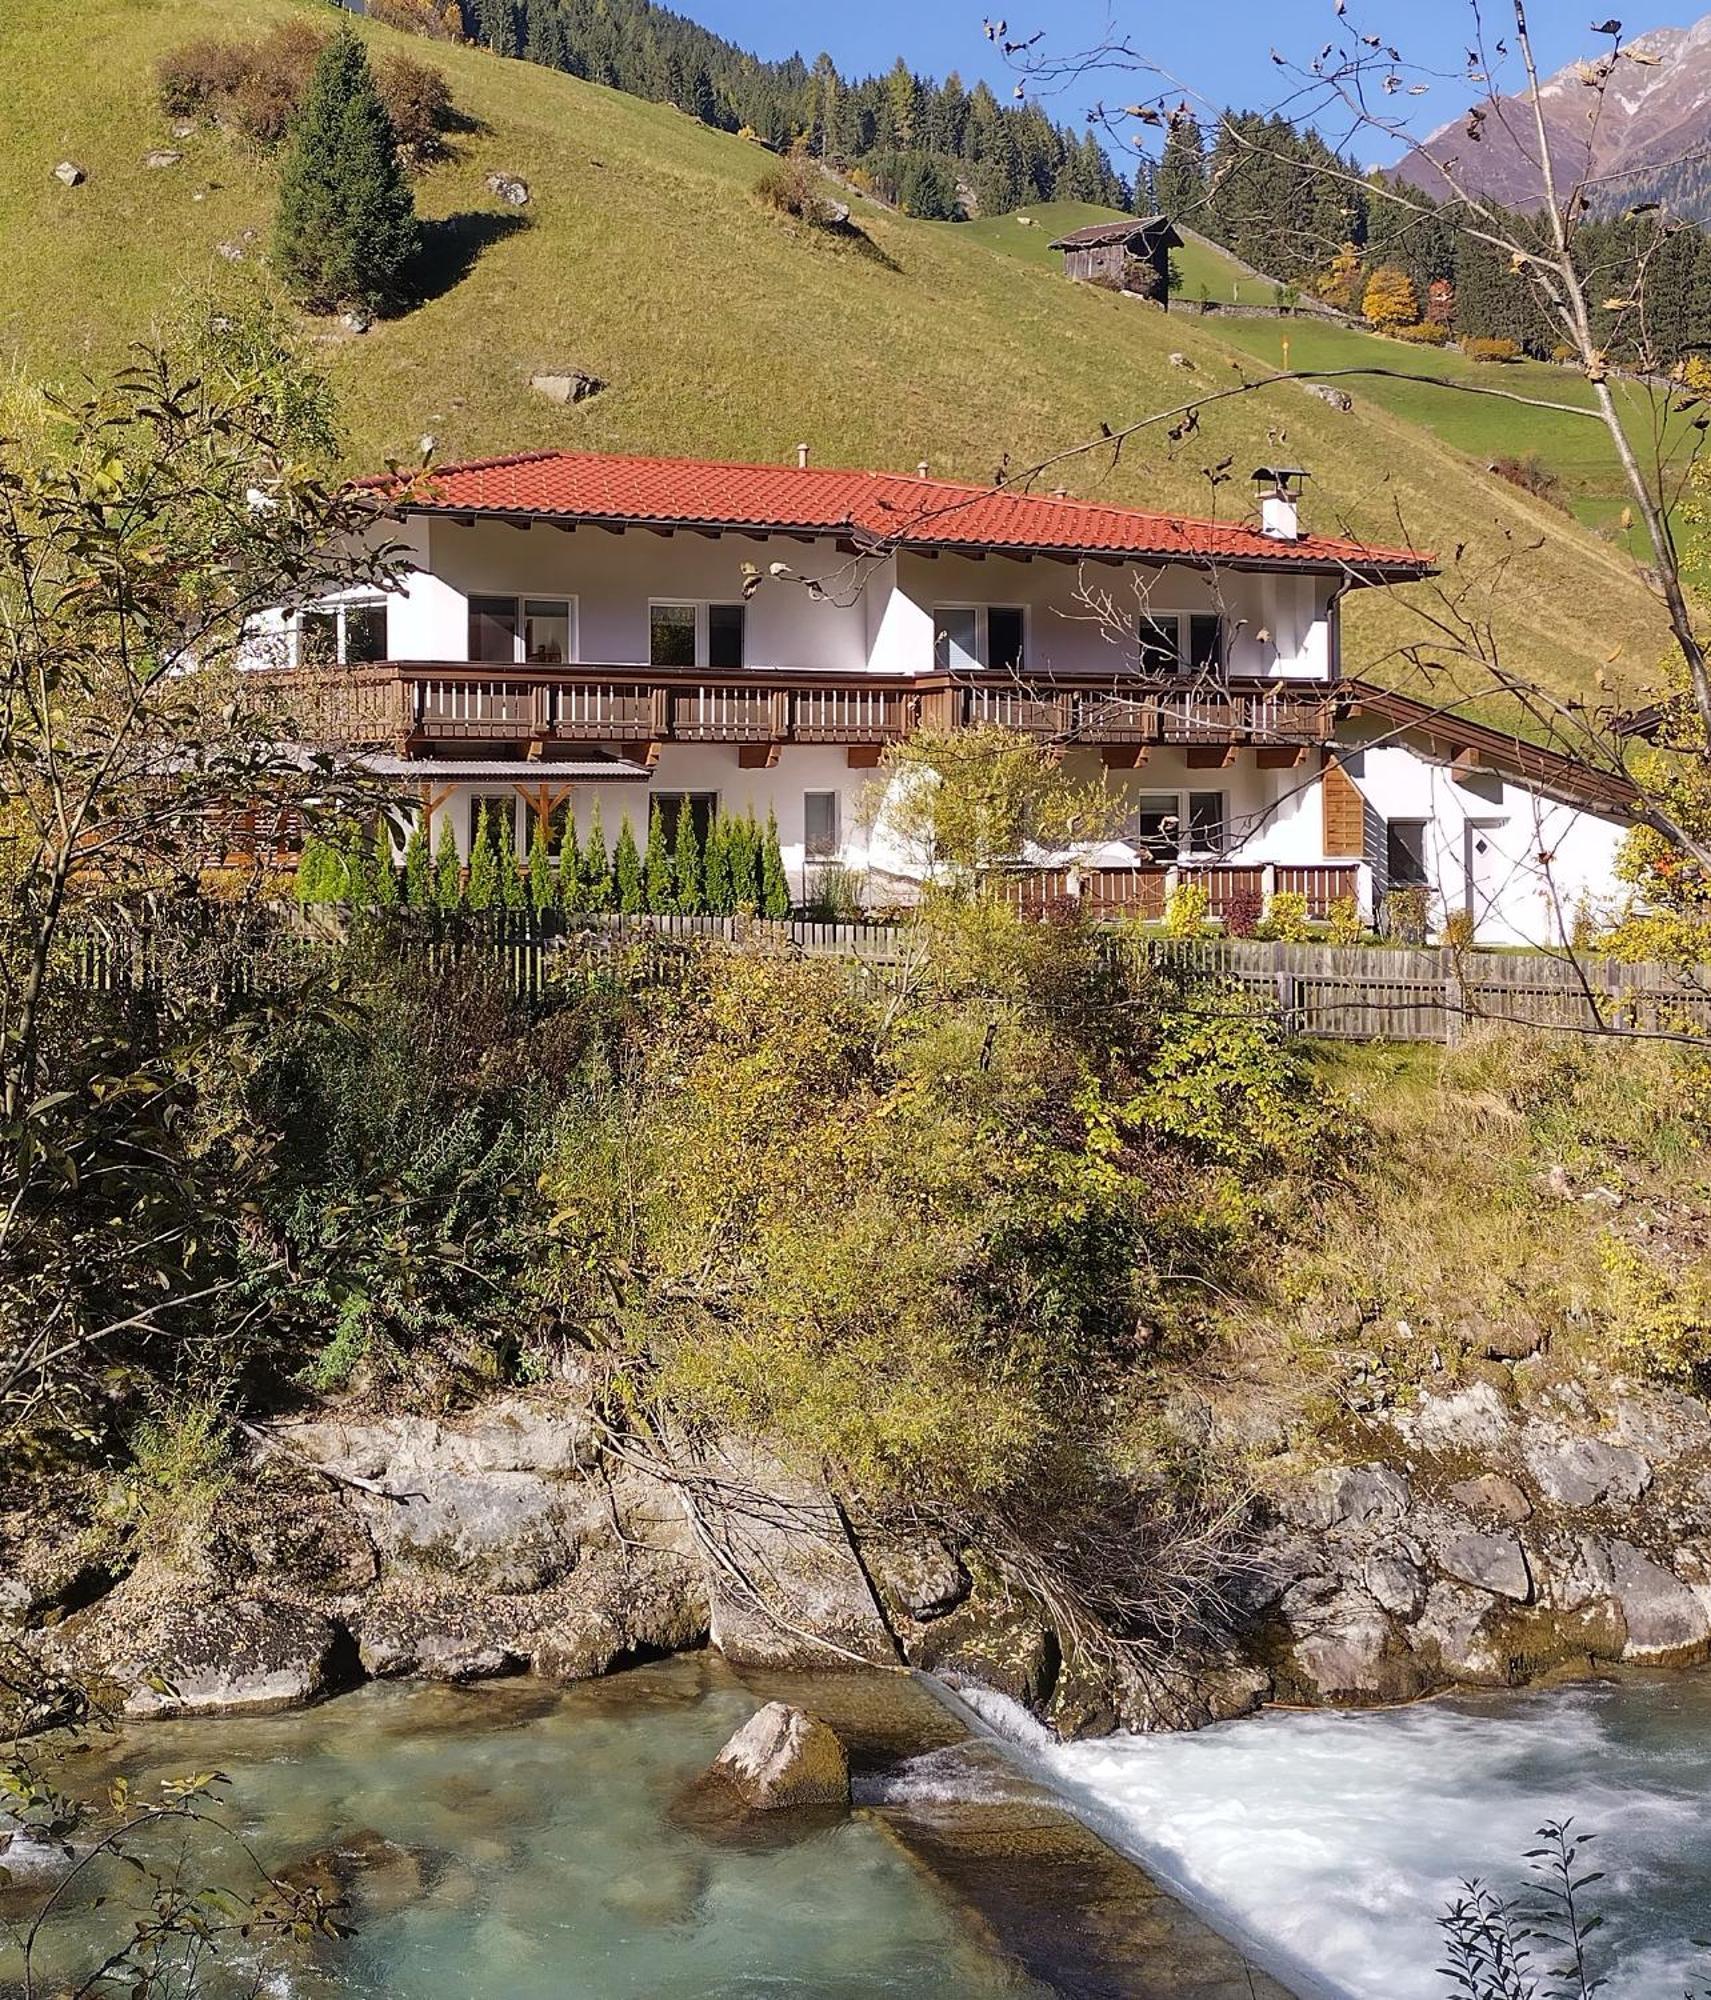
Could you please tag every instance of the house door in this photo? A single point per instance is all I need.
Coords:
(1482, 869)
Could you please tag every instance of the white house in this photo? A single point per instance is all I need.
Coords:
(575, 626)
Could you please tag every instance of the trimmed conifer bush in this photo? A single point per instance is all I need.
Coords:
(383, 869)
(774, 883)
(743, 860)
(346, 231)
(627, 870)
(512, 893)
(686, 863)
(542, 890)
(320, 873)
(418, 868)
(596, 866)
(570, 884)
(448, 870)
(481, 891)
(657, 885)
(715, 869)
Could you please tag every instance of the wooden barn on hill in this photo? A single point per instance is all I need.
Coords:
(1133, 253)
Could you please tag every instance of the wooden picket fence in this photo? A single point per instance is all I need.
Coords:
(1358, 993)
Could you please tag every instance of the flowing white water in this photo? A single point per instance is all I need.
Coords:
(1329, 1843)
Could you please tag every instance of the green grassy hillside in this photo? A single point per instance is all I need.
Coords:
(723, 329)
(1207, 272)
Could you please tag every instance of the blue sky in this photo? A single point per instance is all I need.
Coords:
(1220, 47)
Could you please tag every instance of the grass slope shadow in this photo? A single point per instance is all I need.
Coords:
(451, 248)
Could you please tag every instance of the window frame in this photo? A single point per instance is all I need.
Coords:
(337, 610)
(702, 607)
(1185, 849)
(1182, 624)
(831, 853)
(1423, 880)
(519, 603)
(981, 612)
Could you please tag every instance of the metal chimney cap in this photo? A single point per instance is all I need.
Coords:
(1279, 475)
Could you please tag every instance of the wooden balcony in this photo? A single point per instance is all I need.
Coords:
(415, 708)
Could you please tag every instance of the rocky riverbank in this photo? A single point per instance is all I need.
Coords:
(1521, 1523)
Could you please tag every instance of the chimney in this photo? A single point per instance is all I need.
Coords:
(1279, 491)
(802, 458)
(921, 470)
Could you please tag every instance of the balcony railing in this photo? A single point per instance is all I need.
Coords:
(414, 706)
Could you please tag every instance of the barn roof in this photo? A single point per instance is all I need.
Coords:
(871, 509)
(1156, 229)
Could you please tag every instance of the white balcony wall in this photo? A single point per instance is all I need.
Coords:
(1081, 618)
(613, 577)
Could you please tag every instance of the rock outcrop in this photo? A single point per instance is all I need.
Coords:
(782, 1759)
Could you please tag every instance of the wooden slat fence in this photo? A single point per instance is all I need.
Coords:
(1346, 993)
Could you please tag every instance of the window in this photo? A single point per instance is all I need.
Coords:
(671, 635)
(1167, 825)
(1205, 642)
(1156, 825)
(1005, 637)
(493, 629)
(969, 636)
(820, 826)
(956, 638)
(501, 821)
(1174, 642)
(1206, 822)
(548, 634)
(1405, 853)
(349, 635)
(702, 807)
(725, 635)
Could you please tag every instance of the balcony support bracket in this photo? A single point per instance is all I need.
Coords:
(1281, 757)
(1124, 756)
(863, 756)
(1211, 756)
(757, 756)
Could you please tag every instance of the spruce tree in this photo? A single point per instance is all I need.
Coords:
(541, 886)
(627, 871)
(310, 886)
(596, 866)
(345, 231)
(656, 869)
(383, 869)
(715, 869)
(774, 883)
(570, 882)
(686, 863)
(448, 870)
(481, 891)
(418, 867)
(1181, 186)
(354, 863)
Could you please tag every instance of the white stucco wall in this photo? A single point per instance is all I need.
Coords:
(1544, 859)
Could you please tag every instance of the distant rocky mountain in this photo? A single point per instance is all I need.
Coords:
(1652, 130)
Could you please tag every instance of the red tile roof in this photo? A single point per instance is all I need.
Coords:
(871, 507)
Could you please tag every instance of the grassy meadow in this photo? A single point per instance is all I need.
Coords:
(723, 329)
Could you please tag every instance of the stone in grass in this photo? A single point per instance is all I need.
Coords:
(566, 385)
(509, 188)
(70, 174)
(163, 156)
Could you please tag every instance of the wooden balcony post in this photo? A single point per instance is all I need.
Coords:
(1267, 887)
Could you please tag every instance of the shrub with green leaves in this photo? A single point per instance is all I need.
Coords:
(448, 869)
(686, 863)
(597, 885)
(658, 888)
(418, 868)
(1285, 920)
(628, 888)
(1187, 912)
(481, 891)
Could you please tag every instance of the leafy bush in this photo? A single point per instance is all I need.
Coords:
(200, 76)
(1345, 925)
(1390, 300)
(1187, 910)
(1481, 348)
(1241, 914)
(1406, 915)
(1426, 333)
(795, 186)
(1533, 476)
(1286, 918)
(1459, 931)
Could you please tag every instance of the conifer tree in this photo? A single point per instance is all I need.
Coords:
(383, 869)
(315, 865)
(686, 863)
(774, 883)
(418, 867)
(542, 888)
(345, 231)
(512, 893)
(1180, 189)
(743, 861)
(571, 886)
(354, 862)
(627, 871)
(448, 870)
(656, 869)
(481, 891)
(715, 868)
(597, 866)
